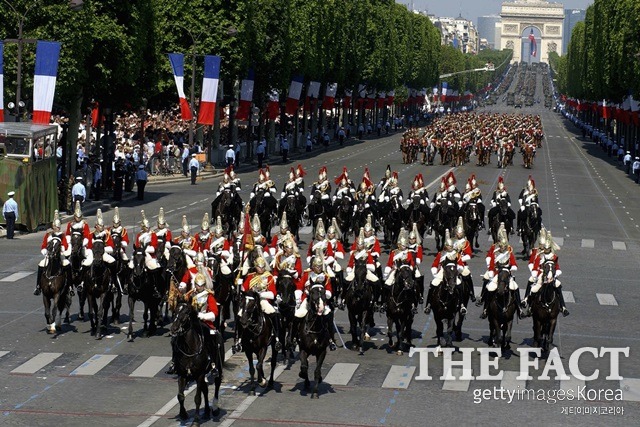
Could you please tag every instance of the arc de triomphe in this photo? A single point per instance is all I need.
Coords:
(519, 16)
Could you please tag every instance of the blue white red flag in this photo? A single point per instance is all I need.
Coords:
(44, 82)
(177, 65)
(532, 44)
(209, 89)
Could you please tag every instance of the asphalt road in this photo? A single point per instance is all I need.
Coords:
(589, 204)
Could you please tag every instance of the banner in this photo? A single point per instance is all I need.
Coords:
(329, 96)
(293, 99)
(246, 97)
(313, 93)
(346, 101)
(209, 90)
(273, 107)
(390, 97)
(533, 46)
(177, 65)
(44, 82)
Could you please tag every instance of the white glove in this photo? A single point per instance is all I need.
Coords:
(43, 252)
(201, 316)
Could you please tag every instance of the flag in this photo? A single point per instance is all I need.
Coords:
(247, 236)
(381, 99)
(273, 107)
(390, 97)
(1, 82)
(96, 118)
(177, 65)
(313, 92)
(293, 99)
(532, 44)
(44, 82)
(209, 89)
(371, 101)
(346, 101)
(329, 96)
(246, 96)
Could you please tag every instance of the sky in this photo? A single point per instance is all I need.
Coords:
(471, 9)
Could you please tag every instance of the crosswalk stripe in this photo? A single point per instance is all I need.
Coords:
(93, 365)
(568, 296)
(509, 381)
(588, 243)
(341, 373)
(571, 384)
(2, 353)
(619, 246)
(457, 384)
(151, 367)
(17, 276)
(399, 376)
(606, 299)
(630, 389)
(36, 363)
(559, 241)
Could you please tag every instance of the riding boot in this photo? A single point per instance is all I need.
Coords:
(468, 280)
(113, 286)
(420, 286)
(171, 370)
(332, 331)
(427, 308)
(384, 296)
(511, 223)
(461, 307)
(526, 307)
(518, 303)
(482, 293)
(156, 293)
(565, 312)
(486, 305)
(369, 320)
(275, 322)
(68, 272)
(213, 354)
(37, 290)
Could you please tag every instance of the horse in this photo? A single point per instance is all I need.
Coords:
(442, 219)
(417, 214)
(399, 305)
(191, 360)
(501, 311)
(286, 286)
(545, 307)
(223, 290)
(531, 228)
(140, 288)
(361, 214)
(176, 268)
(266, 207)
(97, 284)
(501, 157)
(502, 216)
(344, 218)
(227, 207)
(291, 205)
(319, 209)
(313, 337)
(76, 259)
(527, 157)
(122, 274)
(255, 338)
(445, 301)
(472, 222)
(54, 283)
(358, 296)
(393, 221)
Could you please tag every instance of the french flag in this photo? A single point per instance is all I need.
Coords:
(273, 107)
(177, 64)
(209, 89)
(329, 96)
(533, 44)
(346, 102)
(313, 92)
(44, 82)
(293, 99)
(246, 97)
(390, 97)
(1, 82)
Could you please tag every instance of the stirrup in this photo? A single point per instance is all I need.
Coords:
(278, 345)
(37, 291)
(332, 345)
(427, 309)
(484, 314)
(565, 312)
(463, 310)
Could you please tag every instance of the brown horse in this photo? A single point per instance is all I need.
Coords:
(527, 157)
(53, 283)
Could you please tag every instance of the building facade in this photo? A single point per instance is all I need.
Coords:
(487, 29)
(458, 32)
(571, 18)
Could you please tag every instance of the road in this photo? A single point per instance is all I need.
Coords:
(588, 203)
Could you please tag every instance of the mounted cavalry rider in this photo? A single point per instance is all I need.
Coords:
(163, 235)
(418, 189)
(260, 245)
(528, 197)
(415, 247)
(300, 173)
(187, 242)
(365, 194)
(462, 245)
(323, 186)
(498, 195)
(371, 244)
(278, 239)
(500, 257)
(391, 190)
(78, 226)
(345, 187)
(186, 283)
(263, 282)
(235, 180)
(65, 250)
(447, 255)
(321, 243)
(220, 247)
(99, 233)
(440, 196)
(316, 276)
(473, 195)
(291, 187)
(385, 179)
(148, 242)
(333, 237)
(287, 261)
(398, 258)
(536, 252)
(117, 230)
(452, 191)
(205, 304)
(203, 238)
(360, 252)
(548, 256)
(230, 184)
(264, 184)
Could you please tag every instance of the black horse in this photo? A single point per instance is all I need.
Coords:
(443, 218)
(140, 288)
(228, 207)
(223, 289)
(361, 214)
(445, 301)
(319, 208)
(545, 307)
(502, 214)
(54, 286)
(175, 270)
(502, 308)
(393, 218)
(76, 258)
(472, 221)
(399, 307)
(291, 205)
(286, 286)
(97, 284)
(314, 335)
(191, 359)
(417, 214)
(531, 226)
(255, 338)
(122, 273)
(266, 207)
(343, 209)
(358, 298)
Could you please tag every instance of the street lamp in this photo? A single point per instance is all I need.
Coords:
(11, 106)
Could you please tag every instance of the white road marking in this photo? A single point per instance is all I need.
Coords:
(94, 364)
(619, 246)
(36, 363)
(17, 276)
(568, 296)
(606, 299)
(588, 243)
(2, 353)
(341, 373)
(151, 367)
(399, 376)
(457, 384)
(630, 389)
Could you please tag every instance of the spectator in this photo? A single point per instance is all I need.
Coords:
(260, 149)
(230, 156)
(284, 146)
(10, 213)
(636, 168)
(78, 191)
(360, 131)
(185, 159)
(97, 181)
(387, 127)
(627, 162)
(379, 128)
(194, 166)
(341, 135)
(309, 145)
(237, 150)
(141, 181)
(80, 159)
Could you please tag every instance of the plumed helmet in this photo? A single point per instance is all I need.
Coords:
(414, 234)
(300, 172)
(288, 243)
(460, 228)
(255, 224)
(161, 220)
(267, 171)
(416, 183)
(77, 212)
(185, 224)
(473, 181)
(360, 239)
(368, 226)
(116, 217)
(232, 173)
(217, 229)
(292, 174)
(284, 225)
(226, 175)
(467, 186)
(403, 239)
(501, 183)
(550, 244)
(531, 184)
(144, 222)
(363, 185)
(394, 179)
(318, 259)
(320, 231)
(451, 179)
(262, 176)
(200, 280)
(443, 185)
(448, 243)
(260, 262)
(56, 219)
(199, 258)
(333, 228)
(322, 173)
(542, 238)
(99, 220)
(503, 240)
(205, 222)
(387, 173)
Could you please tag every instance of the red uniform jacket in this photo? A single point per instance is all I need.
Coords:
(305, 282)
(124, 236)
(357, 255)
(280, 258)
(271, 283)
(512, 262)
(152, 242)
(86, 233)
(51, 235)
(407, 260)
(211, 306)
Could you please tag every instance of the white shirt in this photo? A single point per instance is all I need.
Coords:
(230, 154)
